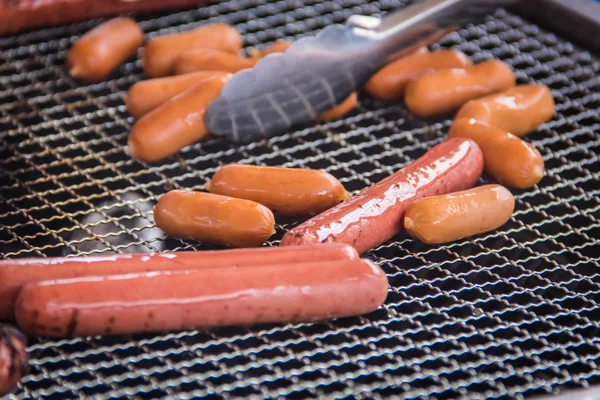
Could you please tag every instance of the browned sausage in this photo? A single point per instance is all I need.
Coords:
(174, 124)
(286, 191)
(97, 53)
(13, 358)
(518, 110)
(443, 91)
(161, 53)
(509, 159)
(389, 83)
(213, 218)
(210, 60)
(277, 47)
(145, 96)
(337, 112)
(450, 217)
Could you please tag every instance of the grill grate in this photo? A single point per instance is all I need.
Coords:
(509, 314)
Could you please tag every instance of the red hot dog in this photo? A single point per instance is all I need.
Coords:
(375, 215)
(13, 358)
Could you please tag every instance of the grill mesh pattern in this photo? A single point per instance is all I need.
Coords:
(508, 314)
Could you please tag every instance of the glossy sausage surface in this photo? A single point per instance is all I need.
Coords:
(161, 53)
(174, 124)
(337, 112)
(97, 53)
(443, 91)
(376, 214)
(211, 60)
(519, 110)
(508, 159)
(277, 47)
(286, 191)
(16, 273)
(390, 82)
(13, 358)
(213, 218)
(173, 300)
(450, 217)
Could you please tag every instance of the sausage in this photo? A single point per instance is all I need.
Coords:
(443, 91)
(97, 53)
(210, 60)
(176, 123)
(443, 219)
(16, 273)
(337, 112)
(14, 359)
(277, 47)
(508, 159)
(519, 110)
(286, 191)
(145, 96)
(213, 218)
(161, 53)
(376, 214)
(390, 82)
(173, 300)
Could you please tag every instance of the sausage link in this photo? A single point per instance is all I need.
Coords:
(286, 191)
(444, 91)
(342, 109)
(213, 218)
(145, 96)
(16, 273)
(376, 214)
(173, 300)
(443, 219)
(210, 60)
(97, 53)
(508, 159)
(13, 358)
(161, 53)
(176, 123)
(277, 47)
(519, 110)
(390, 82)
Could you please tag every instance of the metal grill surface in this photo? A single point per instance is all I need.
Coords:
(512, 313)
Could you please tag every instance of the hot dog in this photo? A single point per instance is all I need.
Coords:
(13, 358)
(376, 214)
(518, 110)
(16, 273)
(443, 91)
(286, 191)
(337, 112)
(442, 219)
(210, 60)
(97, 53)
(277, 47)
(213, 218)
(161, 53)
(165, 301)
(508, 159)
(174, 124)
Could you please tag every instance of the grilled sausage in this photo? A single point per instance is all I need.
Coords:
(146, 95)
(13, 358)
(277, 47)
(161, 53)
(286, 191)
(376, 214)
(442, 219)
(97, 53)
(16, 273)
(508, 159)
(337, 112)
(176, 123)
(443, 91)
(390, 82)
(213, 218)
(165, 301)
(210, 60)
(519, 110)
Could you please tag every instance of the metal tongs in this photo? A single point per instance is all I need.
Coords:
(317, 73)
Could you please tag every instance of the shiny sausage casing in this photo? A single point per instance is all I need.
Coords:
(376, 214)
(450, 217)
(519, 110)
(508, 159)
(176, 123)
(286, 191)
(443, 91)
(339, 111)
(161, 53)
(390, 82)
(213, 218)
(146, 95)
(97, 53)
(173, 300)
(210, 60)
(16, 273)
(13, 358)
